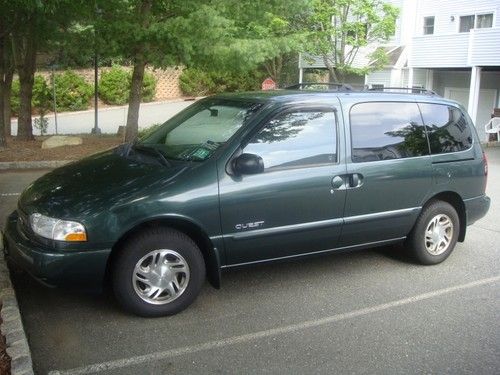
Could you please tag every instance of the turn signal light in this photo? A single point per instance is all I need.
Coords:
(76, 237)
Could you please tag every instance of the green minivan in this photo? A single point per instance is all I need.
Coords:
(255, 177)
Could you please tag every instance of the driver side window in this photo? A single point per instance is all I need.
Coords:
(296, 139)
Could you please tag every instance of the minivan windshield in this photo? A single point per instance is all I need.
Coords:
(199, 130)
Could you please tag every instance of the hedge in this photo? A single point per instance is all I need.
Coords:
(114, 86)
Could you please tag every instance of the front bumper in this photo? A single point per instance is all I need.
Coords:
(476, 208)
(51, 266)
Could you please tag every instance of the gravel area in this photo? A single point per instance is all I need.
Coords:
(32, 151)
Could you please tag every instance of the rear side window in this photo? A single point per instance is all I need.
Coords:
(447, 128)
(296, 139)
(386, 130)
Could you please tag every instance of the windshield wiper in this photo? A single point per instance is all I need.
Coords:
(152, 151)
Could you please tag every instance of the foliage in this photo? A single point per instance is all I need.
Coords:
(41, 99)
(198, 82)
(145, 132)
(41, 124)
(339, 28)
(72, 92)
(148, 87)
(114, 86)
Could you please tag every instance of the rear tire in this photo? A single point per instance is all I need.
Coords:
(159, 271)
(435, 233)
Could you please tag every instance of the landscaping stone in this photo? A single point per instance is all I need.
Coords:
(61, 140)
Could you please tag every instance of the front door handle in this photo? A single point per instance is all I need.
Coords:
(355, 180)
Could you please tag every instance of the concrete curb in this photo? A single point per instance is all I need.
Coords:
(12, 325)
(33, 164)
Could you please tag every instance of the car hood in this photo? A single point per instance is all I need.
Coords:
(95, 184)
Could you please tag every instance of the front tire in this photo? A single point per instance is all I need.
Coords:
(159, 271)
(435, 233)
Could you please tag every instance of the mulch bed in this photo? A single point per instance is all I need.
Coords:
(32, 150)
(4, 358)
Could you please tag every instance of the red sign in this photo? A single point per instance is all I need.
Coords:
(268, 84)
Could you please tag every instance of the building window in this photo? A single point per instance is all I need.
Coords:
(428, 25)
(484, 21)
(466, 24)
(377, 86)
(479, 21)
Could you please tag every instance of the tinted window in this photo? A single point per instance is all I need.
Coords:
(447, 128)
(296, 139)
(381, 131)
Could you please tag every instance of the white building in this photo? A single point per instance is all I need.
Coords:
(449, 46)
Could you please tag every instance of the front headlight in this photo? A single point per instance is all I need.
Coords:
(55, 229)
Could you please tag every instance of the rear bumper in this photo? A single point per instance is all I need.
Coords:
(52, 267)
(476, 208)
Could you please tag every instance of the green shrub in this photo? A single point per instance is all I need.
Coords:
(143, 133)
(114, 86)
(72, 92)
(196, 82)
(148, 87)
(40, 100)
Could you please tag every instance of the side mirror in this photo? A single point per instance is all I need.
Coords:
(248, 164)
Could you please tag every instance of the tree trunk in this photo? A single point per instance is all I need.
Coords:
(3, 144)
(24, 52)
(24, 125)
(134, 101)
(7, 90)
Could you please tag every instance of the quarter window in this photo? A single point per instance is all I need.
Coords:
(384, 131)
(428, 25)
(296, 139)
(447, 128)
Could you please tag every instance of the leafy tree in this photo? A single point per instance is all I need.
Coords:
(339, 28)
(33, 26)
(6, 72)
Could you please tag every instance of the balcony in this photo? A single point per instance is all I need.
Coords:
(479, 47)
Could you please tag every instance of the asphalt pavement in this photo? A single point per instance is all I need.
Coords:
(365, 312)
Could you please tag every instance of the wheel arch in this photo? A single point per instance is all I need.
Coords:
(458, 204)
(184, 225)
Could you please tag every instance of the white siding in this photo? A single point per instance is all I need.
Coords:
(443, 10)
(440, 51)
(381, 77)
(485, 47)
(419, 78)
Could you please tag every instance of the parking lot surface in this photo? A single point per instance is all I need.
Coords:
(365, 312)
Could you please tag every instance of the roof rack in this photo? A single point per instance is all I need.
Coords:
(409, 90)
(320, 86)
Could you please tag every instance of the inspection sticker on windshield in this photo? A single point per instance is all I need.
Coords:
(201, 153)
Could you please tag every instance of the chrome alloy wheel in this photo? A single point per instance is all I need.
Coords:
(160, 276)
(438, 234)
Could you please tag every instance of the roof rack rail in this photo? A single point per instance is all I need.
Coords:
(409, 90)
(320, 86)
